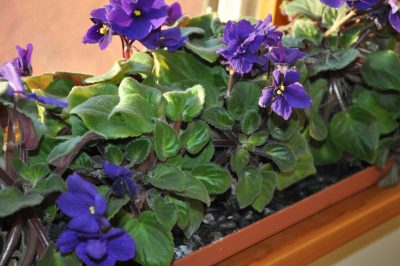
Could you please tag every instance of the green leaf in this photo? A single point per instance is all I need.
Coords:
(183, 211)
(82, 162)
(185, 105)
(304, 166)
(115, 204)
(381, 70)
(195, 190)
(309, 8)
(168, 177)
(385, 146)
(166, 143)
(136, 112)
(206, 44)
(308, 30)
(51, 184)
(34, 173)
(317, 91)
(196, 213)
(325, 152)
(95, 113)
(63, 154)
(268, 185)
(113, 154)
(139, 63)
(218, 117)
(245, 96)
(281, 129)
(154, 245)
(249, 186)
(215, 178)
(195, 137)
(356, 131)
(239, 160)
(189, 162)
(131, 86)
(318, 128)
(55, 258)
(137, 150)
(325, 60)
(387, 121)
(166, 212)
(181, 70)
(251, 121)
(330, 16)
(81, 94)
(281, 155)
(12, 200)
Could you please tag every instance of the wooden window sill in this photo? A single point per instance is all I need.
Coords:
(324, 232)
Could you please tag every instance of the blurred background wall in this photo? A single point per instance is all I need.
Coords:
(55, 28)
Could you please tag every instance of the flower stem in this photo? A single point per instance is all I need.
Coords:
(230, 82)
(338, 96)
(12, 241)
(338, 23)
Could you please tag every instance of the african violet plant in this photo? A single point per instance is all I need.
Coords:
(208, 109)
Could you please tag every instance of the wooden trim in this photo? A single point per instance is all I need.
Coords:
(266, 7)
(324, 232)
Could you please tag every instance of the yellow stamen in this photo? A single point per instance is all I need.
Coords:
(279, 92)
(282, 87)
(91, 209)
(137, 13)
(104, 30)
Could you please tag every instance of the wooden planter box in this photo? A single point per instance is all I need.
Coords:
(279, 221)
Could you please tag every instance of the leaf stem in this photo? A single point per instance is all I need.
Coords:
(12, 240)
(338, 23)
(338, 96)
(231, 81)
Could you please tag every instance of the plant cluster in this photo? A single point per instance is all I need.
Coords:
(210, 108)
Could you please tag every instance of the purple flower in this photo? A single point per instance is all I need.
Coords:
(242, 46)
(280, 55)
(267, 33)
(174, 13)
(169, 38)
(136, 18)
(286, 93)
(244, 43)
(122, 179)
(22, 63)
(394, 16)
(9, 72)
(84, 205)
(98, 249)
(357, 4)
(100, 32)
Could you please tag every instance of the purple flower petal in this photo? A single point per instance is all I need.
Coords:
(290, 77)
(82, 254)
(121, 245)
(67, 242)
(93, 34)
(174, 13)
(10, 74)
(87, 223)
(113, 171)
(362, 4)
(395, 21)
(266, 97)
(74, 204)
(78, 185)
(96, 248)
(99, 14)
(281, 107)
(296, 96)
(118, 17)
(276, 74)
(333, 3)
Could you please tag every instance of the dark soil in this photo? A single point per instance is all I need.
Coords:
(224, 216)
